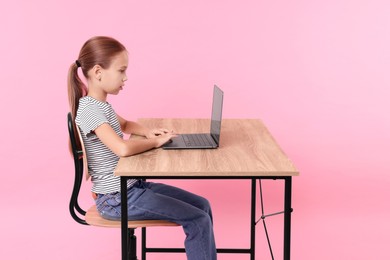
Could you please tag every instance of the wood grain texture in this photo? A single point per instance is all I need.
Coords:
(246, 149)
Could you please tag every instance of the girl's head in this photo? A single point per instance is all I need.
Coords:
(97, 53)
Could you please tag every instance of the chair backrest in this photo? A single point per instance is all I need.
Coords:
(77, 153)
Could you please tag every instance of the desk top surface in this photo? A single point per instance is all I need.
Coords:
(246, 149)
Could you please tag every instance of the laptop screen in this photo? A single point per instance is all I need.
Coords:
(216, 114)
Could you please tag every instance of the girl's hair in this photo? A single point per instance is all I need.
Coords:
(99, 50)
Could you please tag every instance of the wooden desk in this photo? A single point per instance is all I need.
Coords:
(247, 151)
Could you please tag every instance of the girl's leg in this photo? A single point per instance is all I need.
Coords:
(159, 201)
(180, 194)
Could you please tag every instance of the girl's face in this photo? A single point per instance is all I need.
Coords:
(113, 79)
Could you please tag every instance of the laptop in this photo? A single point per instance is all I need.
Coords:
(203, 140)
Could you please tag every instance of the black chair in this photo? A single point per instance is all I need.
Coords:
(92, 217)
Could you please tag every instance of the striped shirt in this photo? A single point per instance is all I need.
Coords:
(101, 160)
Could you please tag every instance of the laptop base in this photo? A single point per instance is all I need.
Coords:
(181, 142)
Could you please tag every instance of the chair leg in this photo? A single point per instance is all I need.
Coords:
(132, 244)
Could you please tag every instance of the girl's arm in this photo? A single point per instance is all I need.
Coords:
(129, 147)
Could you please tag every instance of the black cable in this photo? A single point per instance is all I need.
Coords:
(263, 218)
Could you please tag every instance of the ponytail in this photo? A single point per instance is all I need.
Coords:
(76, 90)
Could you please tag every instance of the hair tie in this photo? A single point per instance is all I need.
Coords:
(78, 63)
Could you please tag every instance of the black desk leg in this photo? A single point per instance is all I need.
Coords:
(287, 217)
(124, 218)
(253, 219)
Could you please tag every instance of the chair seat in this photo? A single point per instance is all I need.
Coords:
(93, 218)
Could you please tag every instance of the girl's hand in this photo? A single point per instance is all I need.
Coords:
(157, 132)
(164, 138)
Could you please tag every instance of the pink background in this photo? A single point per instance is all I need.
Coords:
(316, 72)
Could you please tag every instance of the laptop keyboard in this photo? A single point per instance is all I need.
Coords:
(197, 140)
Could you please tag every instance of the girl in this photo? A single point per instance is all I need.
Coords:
(103, 61)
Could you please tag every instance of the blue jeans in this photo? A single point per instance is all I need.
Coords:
(148, 200)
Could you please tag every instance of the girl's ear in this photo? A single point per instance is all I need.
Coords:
(97, 71)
